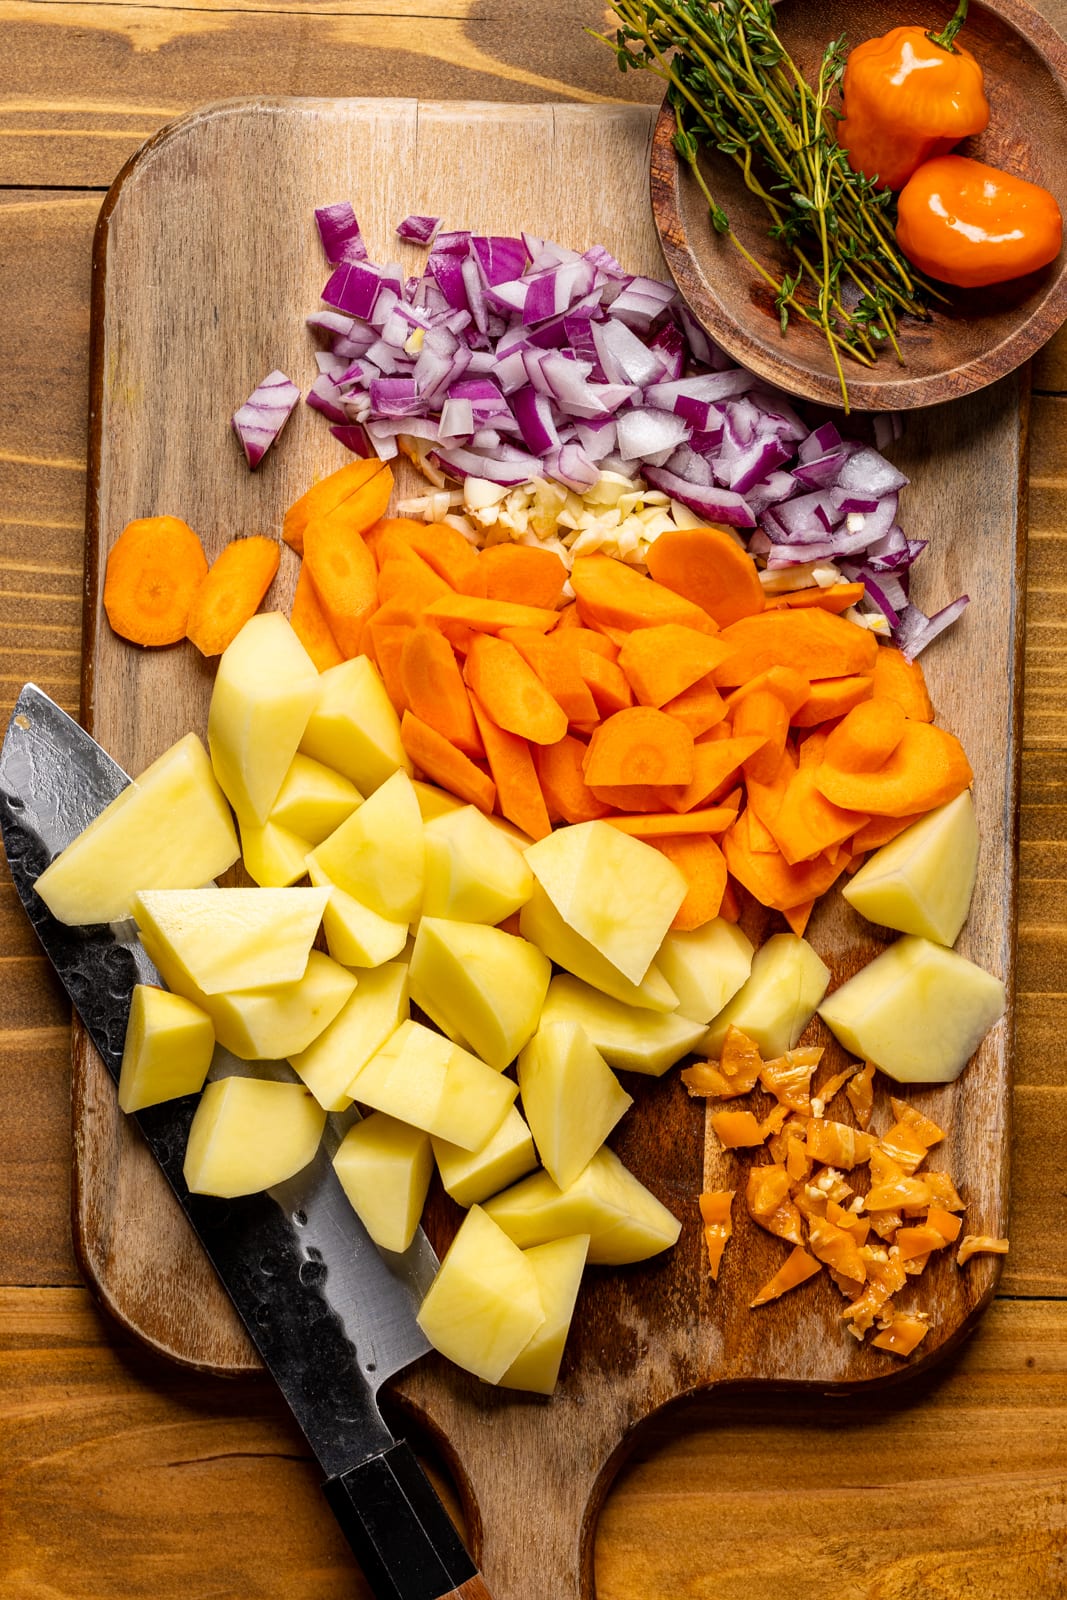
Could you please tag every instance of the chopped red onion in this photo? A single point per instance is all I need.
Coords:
(420, 230)
(917, 630)
(264, 414)
(340, 235)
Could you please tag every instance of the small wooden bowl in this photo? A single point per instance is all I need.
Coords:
(981, 334)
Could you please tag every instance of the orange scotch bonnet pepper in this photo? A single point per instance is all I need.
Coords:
(909, 95)
(969, 224)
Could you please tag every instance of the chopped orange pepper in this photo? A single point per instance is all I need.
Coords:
(768, 1199)
(902, 1335)
(838, 1143)
(788, 1077)
(796, 1270)
(716, 1211)
(973, 1244)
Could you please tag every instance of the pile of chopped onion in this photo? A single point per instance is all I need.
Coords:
(535, 373)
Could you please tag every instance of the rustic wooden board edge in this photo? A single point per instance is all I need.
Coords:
(92, 1264)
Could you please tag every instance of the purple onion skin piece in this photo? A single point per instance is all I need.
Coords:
(264, 414)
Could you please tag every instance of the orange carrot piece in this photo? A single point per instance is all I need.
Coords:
(791, 687)
(590, 639)
(806, 823)
(387, 641)
(928, 768)
(716, 1215)
(829, 698)
(879, 830)
(606, 682)
(309, 624)
(554, 657)
(698, 708)
(487, 616)
(518, 793)
(631, 796)
(702, 865)
(798, 917)
(814, 643)
(715, 769)
(797, 1269)
(864, 740)
(566, 793)
(836, 597)
(713, 819)
(730, 910)
(154, 570)
(639, 746)
(445, 764)
(612, 594)
(434, 689)
(399, 612)
(443, 548)
(897, 678)
(236, 582)
(411, 580)
(711, 568)
(512, 693)
(345, 577)
(765, 799)
(769, 877)
(763, 715)
(523, 574)
(903, 1334)
(358, 493)
(663, 662)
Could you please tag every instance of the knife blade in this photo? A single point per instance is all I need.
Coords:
(331, 1316)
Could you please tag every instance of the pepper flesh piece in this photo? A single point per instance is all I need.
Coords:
(903, 1334)
(796, 1270)
(716, 1212)
(973, 1244)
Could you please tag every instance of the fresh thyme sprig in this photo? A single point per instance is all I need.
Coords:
(734, 88)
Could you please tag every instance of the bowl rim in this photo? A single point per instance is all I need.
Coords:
(781, 366)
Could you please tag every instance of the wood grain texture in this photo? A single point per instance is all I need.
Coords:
(661, 1329)
(974, 338)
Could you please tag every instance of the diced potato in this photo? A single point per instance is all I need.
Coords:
(273, 856)
(232, 939)
(332, 1062)
(471, 1176)
(558, 1267)
(356, 936)
(488, 985)
(423, 1078)
(617, 893)
(353, 727)
(169, 829)
(377, 856)
(265, 688)
(434, 802)
(385, 1169)
(247, 1134)
(571, 1098)
(541, 923)
(922, 881)
(706, 967)
(473, 872)
(265, 1024)
(484, 1305)
(630, 1038)
(918, 1011)
(777, 1001)
(624, 1220)
(169, 1043)
(314, 800)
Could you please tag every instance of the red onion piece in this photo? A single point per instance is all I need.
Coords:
(264, 414)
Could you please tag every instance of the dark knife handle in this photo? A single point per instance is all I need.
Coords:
(401, 1534)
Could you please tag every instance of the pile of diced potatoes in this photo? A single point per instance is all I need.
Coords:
(421, 900)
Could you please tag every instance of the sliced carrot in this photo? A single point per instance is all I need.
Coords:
(487, 616)
(411, 580)
(836, 597)
(590, 639)
(663, 662)
(879, 830)
(928, 768)
(518, 793)
(613, 594)
(639, 746)
(798, 917)
(443, 548)
(832, 697)
(864, 740)
(445, 764)
(154, 570)
(713, 819)
(711, 568)
(435, 691)
(554, 657)
(567, 795)
(814, 643)
(760, 837)
(897, 678)
(791, 687)
(310, 626)
(345, 578)
(716, 1215)
(523, 573)
(387, 641)
(765, 799)
(396, 613)
(799, 1267)
(606, 682)
(512, 693)
(363, 487)
(806, 823)
(762, 714)
(631, 796)
(236, 582)
(769, 877)
(698, 708)
(702, 865)
(715, 769)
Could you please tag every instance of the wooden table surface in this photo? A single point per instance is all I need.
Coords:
(124, 1477)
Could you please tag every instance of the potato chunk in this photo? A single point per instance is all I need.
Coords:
(169, 1043)
(332, 1062)
(377, 855)
(474, 873)
(624, 1220)
(230, 939)
(423, 1078)
(777, 1001)
(922, 881)
(558, 1266)
(385, 1168)
(484, 1306)
(353, 727)
(541, 923)
(630, 1038)
(571, 1098)
(480, 984)
(471, 1176)
(248, 1134)
(705, 967)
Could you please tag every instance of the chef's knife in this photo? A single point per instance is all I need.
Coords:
(331, 1315)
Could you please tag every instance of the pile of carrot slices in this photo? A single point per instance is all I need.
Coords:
(873, 1242)
(761, 744)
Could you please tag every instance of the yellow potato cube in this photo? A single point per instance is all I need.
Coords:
(558, 1267)
(332, 1062)
(168, 1049)
(484, 1305)
(353, 727)
(778, 999)
(232, 939)
(313, 800)
(385, 1168)
(273, 856)
(421, 1077)
(541, 923)
(247, 1134)
(630, 1038)
(378, 856)
(471, 1176)
(489, 986)
(169, 829)
(265, 688)
(706, 967)
(922, 881)
(474, 873)
(355, 935)
(571, 1098)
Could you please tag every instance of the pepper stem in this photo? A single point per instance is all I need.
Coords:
(947, 37)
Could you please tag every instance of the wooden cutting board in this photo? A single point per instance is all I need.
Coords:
(206, 263)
